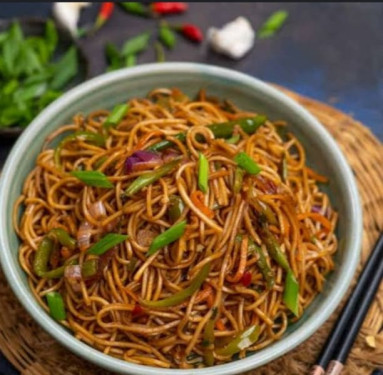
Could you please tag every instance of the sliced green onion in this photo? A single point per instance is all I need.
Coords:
(115, 117)
(247, 163)
(291, 293)
(106, 243)
(56, 305)
(167, 237)
(203, 173)
(182, 295)
(234, 139)
(272, 24)
(241, 341)
(93, 178)
(89, 268)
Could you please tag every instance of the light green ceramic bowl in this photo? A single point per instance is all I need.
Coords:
(249, 93)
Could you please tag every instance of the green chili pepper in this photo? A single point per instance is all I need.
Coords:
(93, 178)
(247, 163)
(283, 168)
(167, 36)
(89, 268)
(238, 178)
(170, 235)
(160, 52)
(208, 338)
(203, 173)
(107, 242)
(135, 8)
(56, 305)
(150, 177)
(58, 272)
(63, 237)
(44, 251)
(115, 117)
(266, 271)
(272, 24)
(182, 295)
(241, 341)
(95, 138)
(273, 247)
(176, 207)
(234, 139)
(223, 130)
(291, 293)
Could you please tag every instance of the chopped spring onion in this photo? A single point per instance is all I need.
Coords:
(170, 235)
(115, 117)
(234, 139)
(291, 293)
(106, 243)
(203, 173)
(247, 163)
(93, 178)
(56, 305)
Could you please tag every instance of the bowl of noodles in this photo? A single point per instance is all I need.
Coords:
(178, 218)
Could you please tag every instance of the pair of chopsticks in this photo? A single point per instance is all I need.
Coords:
(338, 345)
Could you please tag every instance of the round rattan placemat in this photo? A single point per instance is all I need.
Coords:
(34, 352)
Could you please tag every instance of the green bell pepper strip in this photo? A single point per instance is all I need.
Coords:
(241, 341)
(182, 295)
(150, 177)
(203, 173)
(95, 138)
(106, 243)
(170, 235)
(247, 163)
(58, 272)
(40, 263)
(176, 207)
(56, 305)
(63, 237)
(208, 339)
(238, 178)
(291, 293)
(266, 271)
(115, 117)
(222, 130)
(89, 268)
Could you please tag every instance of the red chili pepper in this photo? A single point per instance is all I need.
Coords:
(104, 14)
(246, 279)
(137, 311)
(192, 32)
(169, 8)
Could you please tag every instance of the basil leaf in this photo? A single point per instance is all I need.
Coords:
(93, 178)
(65, 69)
(106, 243)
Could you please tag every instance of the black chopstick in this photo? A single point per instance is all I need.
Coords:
(351, 318)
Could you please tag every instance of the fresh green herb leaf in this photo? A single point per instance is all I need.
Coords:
(93, 178)
(65, 69)
(106, 243)
(51, 36)
(136, 44)
(113, 57)
(247, 163)
(272, 24)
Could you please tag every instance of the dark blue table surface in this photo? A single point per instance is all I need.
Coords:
(332, 52)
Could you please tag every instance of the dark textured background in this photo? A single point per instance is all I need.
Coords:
(332, 52)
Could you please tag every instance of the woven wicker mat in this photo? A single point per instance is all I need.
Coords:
(34, 352)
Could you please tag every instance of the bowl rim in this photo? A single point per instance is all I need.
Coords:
(279, 348)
